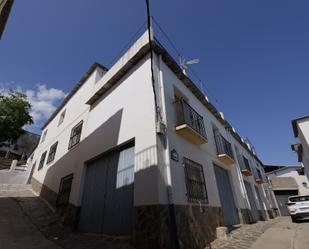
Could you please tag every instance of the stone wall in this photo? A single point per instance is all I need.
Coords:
(246, 216)
(262, 215)
(175, 226)
(45, 192)
(68, 213)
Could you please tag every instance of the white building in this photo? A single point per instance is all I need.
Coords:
(123, 155)
(287, 181)
(301, 131)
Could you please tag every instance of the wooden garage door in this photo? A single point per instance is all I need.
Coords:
(226, 197)
(107, 205)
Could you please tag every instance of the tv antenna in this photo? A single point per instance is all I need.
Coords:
(184, 63)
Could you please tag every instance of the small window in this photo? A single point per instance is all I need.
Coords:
(52, 152)
(75, 134)
(61, 118)
(44, 136)
(64, 190)
(42, 160)
(195, 181)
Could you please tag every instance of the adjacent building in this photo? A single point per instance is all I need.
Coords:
(301, 131)
(22, 148)
(287, 181)
(126, 155)
(5, 8)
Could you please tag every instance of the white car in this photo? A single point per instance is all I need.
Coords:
(298, 206)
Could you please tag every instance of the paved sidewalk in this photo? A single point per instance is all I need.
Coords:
(27, 222)
(245, 236)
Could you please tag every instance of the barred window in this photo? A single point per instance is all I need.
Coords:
(75, 134)
(64, 190)
(52, 152)
(195, 181)
(42, 160)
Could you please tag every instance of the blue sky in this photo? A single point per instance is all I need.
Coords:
(254, 55)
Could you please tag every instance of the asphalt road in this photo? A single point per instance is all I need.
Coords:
(16, 231)
(285, 235)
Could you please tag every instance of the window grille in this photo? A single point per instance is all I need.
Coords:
(75, 134)
(52, 152)
(42, 160)
(195, 181)
(64, 190)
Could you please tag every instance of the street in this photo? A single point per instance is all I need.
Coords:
(285, 235)
(27, 222)
(278, 233)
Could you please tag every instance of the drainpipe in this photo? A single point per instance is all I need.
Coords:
(167, 173)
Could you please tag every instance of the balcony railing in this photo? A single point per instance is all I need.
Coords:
(244, 165)
(258, 177)
(190, 124)
(224, 150)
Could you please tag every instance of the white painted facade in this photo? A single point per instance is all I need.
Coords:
(127, 111)
(294, 172)
(301, 130)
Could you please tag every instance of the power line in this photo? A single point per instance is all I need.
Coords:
(167, 37)
(133, 38)
(195, 74)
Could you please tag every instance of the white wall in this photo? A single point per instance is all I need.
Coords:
(303, 135)
(126, 112)
(205, 154)
(300, 179)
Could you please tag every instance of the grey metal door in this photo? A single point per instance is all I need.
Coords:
(107, 205)
(226, 197)
(254, 211)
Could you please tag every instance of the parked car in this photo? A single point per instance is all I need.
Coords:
(298, 206)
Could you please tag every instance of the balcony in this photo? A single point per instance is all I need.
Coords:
(224, 150)
(244, 165)
(190, 124)
(258, 180)
(258, 177)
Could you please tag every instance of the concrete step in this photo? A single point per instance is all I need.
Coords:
(14, 187)
(20, 168)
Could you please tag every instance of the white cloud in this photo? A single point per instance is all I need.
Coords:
(43, 100)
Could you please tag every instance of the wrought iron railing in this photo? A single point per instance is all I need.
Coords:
(195, 181)
(187, 115)
(243, 163)
(223, 146)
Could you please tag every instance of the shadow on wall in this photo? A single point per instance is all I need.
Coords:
(102, 139)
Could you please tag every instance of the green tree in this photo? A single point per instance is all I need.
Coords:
(14, 114)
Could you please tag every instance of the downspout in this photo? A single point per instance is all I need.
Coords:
(158, 120)
(168, 174)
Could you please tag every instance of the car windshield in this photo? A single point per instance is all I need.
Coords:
(299, 198)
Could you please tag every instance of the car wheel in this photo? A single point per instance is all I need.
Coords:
(293, 219)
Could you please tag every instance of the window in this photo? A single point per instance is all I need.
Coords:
(195, 181)
(42, 160)
(259, 174)
(75, 134)
(44, 136)
(64, 190)
(299, 198)
(52, 152)
(61, 118)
